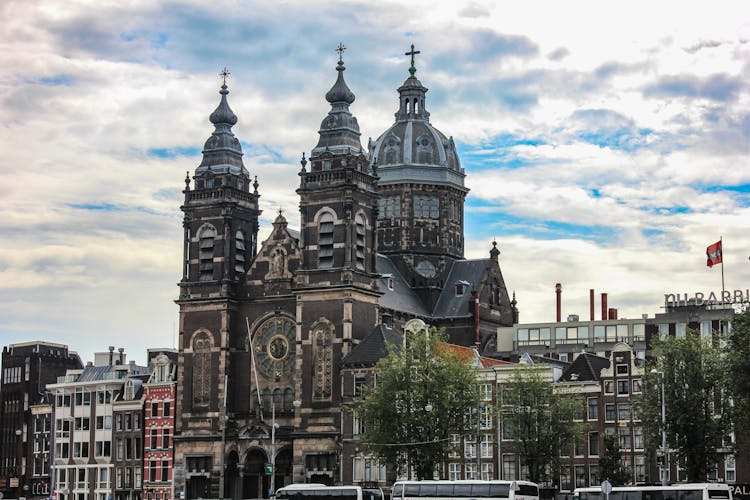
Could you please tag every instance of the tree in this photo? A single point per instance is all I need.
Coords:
(738, 369)
(698, 415)
(540, 421)
(610, 463)
(424, 394)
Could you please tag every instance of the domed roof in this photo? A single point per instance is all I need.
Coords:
(222, 152)
(412, 149)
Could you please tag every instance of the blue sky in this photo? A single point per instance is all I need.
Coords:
(605, 145)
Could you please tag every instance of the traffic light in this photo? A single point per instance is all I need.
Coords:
(268, 469)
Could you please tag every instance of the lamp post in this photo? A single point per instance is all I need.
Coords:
(663, 429)
(274, 426)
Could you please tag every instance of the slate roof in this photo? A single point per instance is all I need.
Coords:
(471, 271)
(373, 347)
(402, 297)
(586, 366)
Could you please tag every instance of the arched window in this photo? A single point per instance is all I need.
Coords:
(201, 369)
(206, 253)
(254, 405)
(277, 399)
(359, 244)
(267, 401)
(239, 253)
(288, 399)
(325, 241)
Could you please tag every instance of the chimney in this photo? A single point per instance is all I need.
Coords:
(612, 313)
(121, 350)
(558, 293)
(604, 306)
(591, 304)
(111, 352)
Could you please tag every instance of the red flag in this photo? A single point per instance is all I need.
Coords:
(713, 254)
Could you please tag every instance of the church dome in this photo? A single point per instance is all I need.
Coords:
(411, 144)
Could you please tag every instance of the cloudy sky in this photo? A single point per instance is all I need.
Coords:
(606, 143)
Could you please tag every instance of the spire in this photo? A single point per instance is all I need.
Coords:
(494, 252)
(412, 95)
(339, 131)
(222, 152)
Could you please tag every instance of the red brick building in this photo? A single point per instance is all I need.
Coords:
(159, 418)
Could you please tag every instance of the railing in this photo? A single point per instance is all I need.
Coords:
(222, 192)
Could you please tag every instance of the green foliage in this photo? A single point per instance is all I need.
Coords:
(610, 464)
(424, 393)
(541, 422)
(738, 368)
(697, 414)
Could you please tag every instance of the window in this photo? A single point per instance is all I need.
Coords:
(454, 471)
(730, 473)
(640, 468)
(359, 244)
(165, 470)
(622, 369)
(507, 424)
(485, 392)
(625, 438)
(103, 448)
(509, 467)
(81, 478)
(152, 471)
(470, 447)
(680, 330)
(663, 330)
(580, 446)
(609, 387)
(104, 422)
(119, 449)
(81, 450)
(103, 397)
(594, 477)
(639, 332)
(103, 477)
(593, 408)
(593, 444)
(623, 412)
(637, 386)
(638, 438)
(455, 445)
(325, 241)
(580, 473)
(486, 445)
(165, 438)
(706, 328)
(82, 424)
(609, 412)
(471, 471)
(623, 387)
(206, 253)
(486, 471)
(152, 443)
(83, 398)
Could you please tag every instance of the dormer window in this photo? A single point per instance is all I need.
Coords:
(461, 288)
(390, 283)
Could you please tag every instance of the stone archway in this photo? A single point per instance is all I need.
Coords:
(255, 483)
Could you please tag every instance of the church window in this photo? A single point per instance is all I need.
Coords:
(322, 338)
(201, 369)
(206, 253)
(360, 242)
(288, 400)
(434, 208)
(326, 164)
(426, 207)
(277, 399)
(239, 255)
(267, 401)
(325, 241)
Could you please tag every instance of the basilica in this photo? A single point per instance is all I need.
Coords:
(267, 326)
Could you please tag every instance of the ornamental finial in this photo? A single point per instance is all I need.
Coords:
(340, 49)
(224, 75)
(412, 53)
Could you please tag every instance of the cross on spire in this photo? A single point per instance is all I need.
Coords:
(412, 53)
(224, 75)
(340, 49)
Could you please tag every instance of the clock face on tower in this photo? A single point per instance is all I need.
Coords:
(274, 347)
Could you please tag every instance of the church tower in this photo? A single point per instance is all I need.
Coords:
(336, 285)
(220, 240)
(421, 207)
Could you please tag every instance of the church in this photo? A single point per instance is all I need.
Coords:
(264, 325)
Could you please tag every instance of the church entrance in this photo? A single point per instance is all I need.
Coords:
(283, 468)
(255, 483)
(232, 484)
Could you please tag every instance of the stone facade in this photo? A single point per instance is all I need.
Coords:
(264, 325)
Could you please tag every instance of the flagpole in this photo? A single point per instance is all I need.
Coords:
(721, 244)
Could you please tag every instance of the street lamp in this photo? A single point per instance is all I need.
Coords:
(274, 426)
(654, 371)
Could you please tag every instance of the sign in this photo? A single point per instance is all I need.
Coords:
(700, 299)
(606, 487)
(741, 491)
(268, 468)
(182, 495)
(13, 482)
